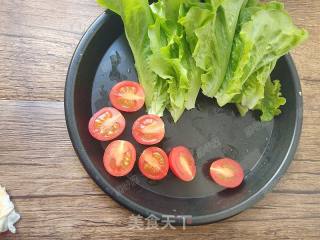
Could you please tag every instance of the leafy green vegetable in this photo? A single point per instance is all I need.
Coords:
(279, 35)
(266, 33)
(212, 37)
(163, 60)
(172, 59)
(167, 53)
(253, 88)
(137, 17)
(228, 48)
(269, 105)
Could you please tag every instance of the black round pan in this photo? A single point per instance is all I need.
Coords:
(264, 149)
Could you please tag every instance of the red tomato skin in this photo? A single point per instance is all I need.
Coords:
(135, 130)
(106, 159)
(165, 157)
(232, 183)
(113, 97)
(122, 123)
(173, 158)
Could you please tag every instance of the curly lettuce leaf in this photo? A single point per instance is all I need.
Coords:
(137, 16)
(266, 32)
(227, 47)
(165, 59)
(202, 12)
(269, 105)
(212, 38)
(171, 58)
(253, 88)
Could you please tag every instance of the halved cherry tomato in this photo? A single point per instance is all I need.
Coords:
(153, 163)
(182, 163)
(119, 158)
(227, 172)
(106, 124)
(148, 129)
(127, 96)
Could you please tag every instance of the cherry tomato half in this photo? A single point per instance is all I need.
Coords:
(119, 158)
(106, 124)
(227, 172)
(153, 163)
(182, 163)
(148, 129)
(127, 96)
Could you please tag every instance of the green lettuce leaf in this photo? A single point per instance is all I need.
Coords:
(253, 88)
(202, 12)
(269, 105)
(266, 32)
(212, 38)
(165, 59)
(137, 16)
(171, 58)
(228, 48)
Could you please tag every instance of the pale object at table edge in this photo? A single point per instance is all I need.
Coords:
(8, 216)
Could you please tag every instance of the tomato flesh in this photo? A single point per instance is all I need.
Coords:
(119, 158)
(153, 163)
(182, 163)
(106, 124)
(227, 172)
(127, 96)
(148, 130)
